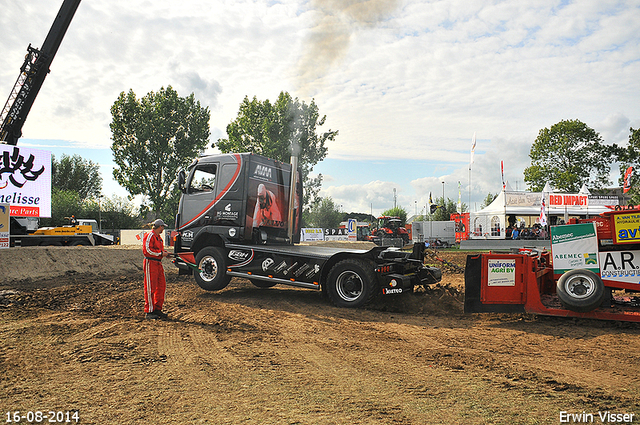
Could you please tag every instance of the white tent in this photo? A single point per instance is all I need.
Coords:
(491, 221)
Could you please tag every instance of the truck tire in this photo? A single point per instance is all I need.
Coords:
(352, 283)
(580, 290)
(263, 283)
(212, 275)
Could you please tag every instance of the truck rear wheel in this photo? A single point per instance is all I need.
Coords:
(351, 283)
(212, 275)
(580, 290)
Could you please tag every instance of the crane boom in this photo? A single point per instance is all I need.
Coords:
(32, 74)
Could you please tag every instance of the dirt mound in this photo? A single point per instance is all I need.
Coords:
(28, 264)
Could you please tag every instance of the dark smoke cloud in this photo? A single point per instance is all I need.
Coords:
(329, 39)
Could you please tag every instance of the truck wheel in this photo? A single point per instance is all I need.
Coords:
(351, 283)
(212, 275)
(580, 290)
(263, 283)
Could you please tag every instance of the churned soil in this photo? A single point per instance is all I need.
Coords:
(73, 338)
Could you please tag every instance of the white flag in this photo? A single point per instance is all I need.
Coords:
(473, 148)
(543, 212)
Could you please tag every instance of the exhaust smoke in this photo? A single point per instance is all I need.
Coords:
(329, 39)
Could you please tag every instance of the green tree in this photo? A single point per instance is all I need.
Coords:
(114, 213)
(568, 155)
(445, 209)
(360, 217)
(64, 204)
(277, 131)
(488, 200)
(629, 156)
(324, 213)
(74, 173)
(397, 211)
(153, 137)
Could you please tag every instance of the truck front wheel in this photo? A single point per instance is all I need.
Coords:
(212, 275)
(351, 283)
(580, 290)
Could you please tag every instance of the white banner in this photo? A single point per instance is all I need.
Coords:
(620, 266)
(502, 272)
(311, 234)
(25, 181)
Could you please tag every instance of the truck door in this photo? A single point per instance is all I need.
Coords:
(199, 196)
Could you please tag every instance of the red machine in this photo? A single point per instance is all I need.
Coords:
(390, 227)
(596, 272)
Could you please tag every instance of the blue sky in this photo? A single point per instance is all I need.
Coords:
(406, 83)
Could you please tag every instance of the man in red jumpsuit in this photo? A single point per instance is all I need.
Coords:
(154, 280)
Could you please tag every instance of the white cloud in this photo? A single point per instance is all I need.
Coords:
(400, 79)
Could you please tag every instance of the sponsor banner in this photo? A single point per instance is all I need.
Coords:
(522, 199)
(556, 200)
(311, 234)
(502, 272)
(4, 225)
(627, 228)
(25, 181)
(620, 266)
(568, 200)
(336, 237)
(574, 246)
(603, 200)
(352, 229)
(25, 211)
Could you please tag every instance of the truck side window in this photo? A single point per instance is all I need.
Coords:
(204, 179)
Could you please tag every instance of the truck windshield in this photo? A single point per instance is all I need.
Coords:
(204, 179)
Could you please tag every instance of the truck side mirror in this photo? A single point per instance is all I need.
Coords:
(181, 180)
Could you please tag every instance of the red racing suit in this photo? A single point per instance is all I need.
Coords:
(154, 281)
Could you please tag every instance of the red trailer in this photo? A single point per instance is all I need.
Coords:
(595, 275)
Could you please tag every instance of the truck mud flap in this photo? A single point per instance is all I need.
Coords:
(473, 290)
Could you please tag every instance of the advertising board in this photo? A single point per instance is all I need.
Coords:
(627, 228)
(309, 234)
(352, 231)
(501, 272)
(25, 181)
(620, 266)
(574, 246)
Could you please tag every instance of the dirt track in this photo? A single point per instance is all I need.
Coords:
(286, 356)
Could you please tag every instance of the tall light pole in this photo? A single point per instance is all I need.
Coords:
(443, 202)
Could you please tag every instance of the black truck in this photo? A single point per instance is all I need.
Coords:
(234, 217)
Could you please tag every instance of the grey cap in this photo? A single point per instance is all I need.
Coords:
(159, 223)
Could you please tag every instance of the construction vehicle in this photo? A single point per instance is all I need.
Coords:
(592, 271)
(79, 232)
(239, 216)
(32, 75)
(390, 230)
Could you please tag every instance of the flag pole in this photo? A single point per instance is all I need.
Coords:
(473, 149)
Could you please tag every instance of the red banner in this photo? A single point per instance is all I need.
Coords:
(627, 180)
(18, 211)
